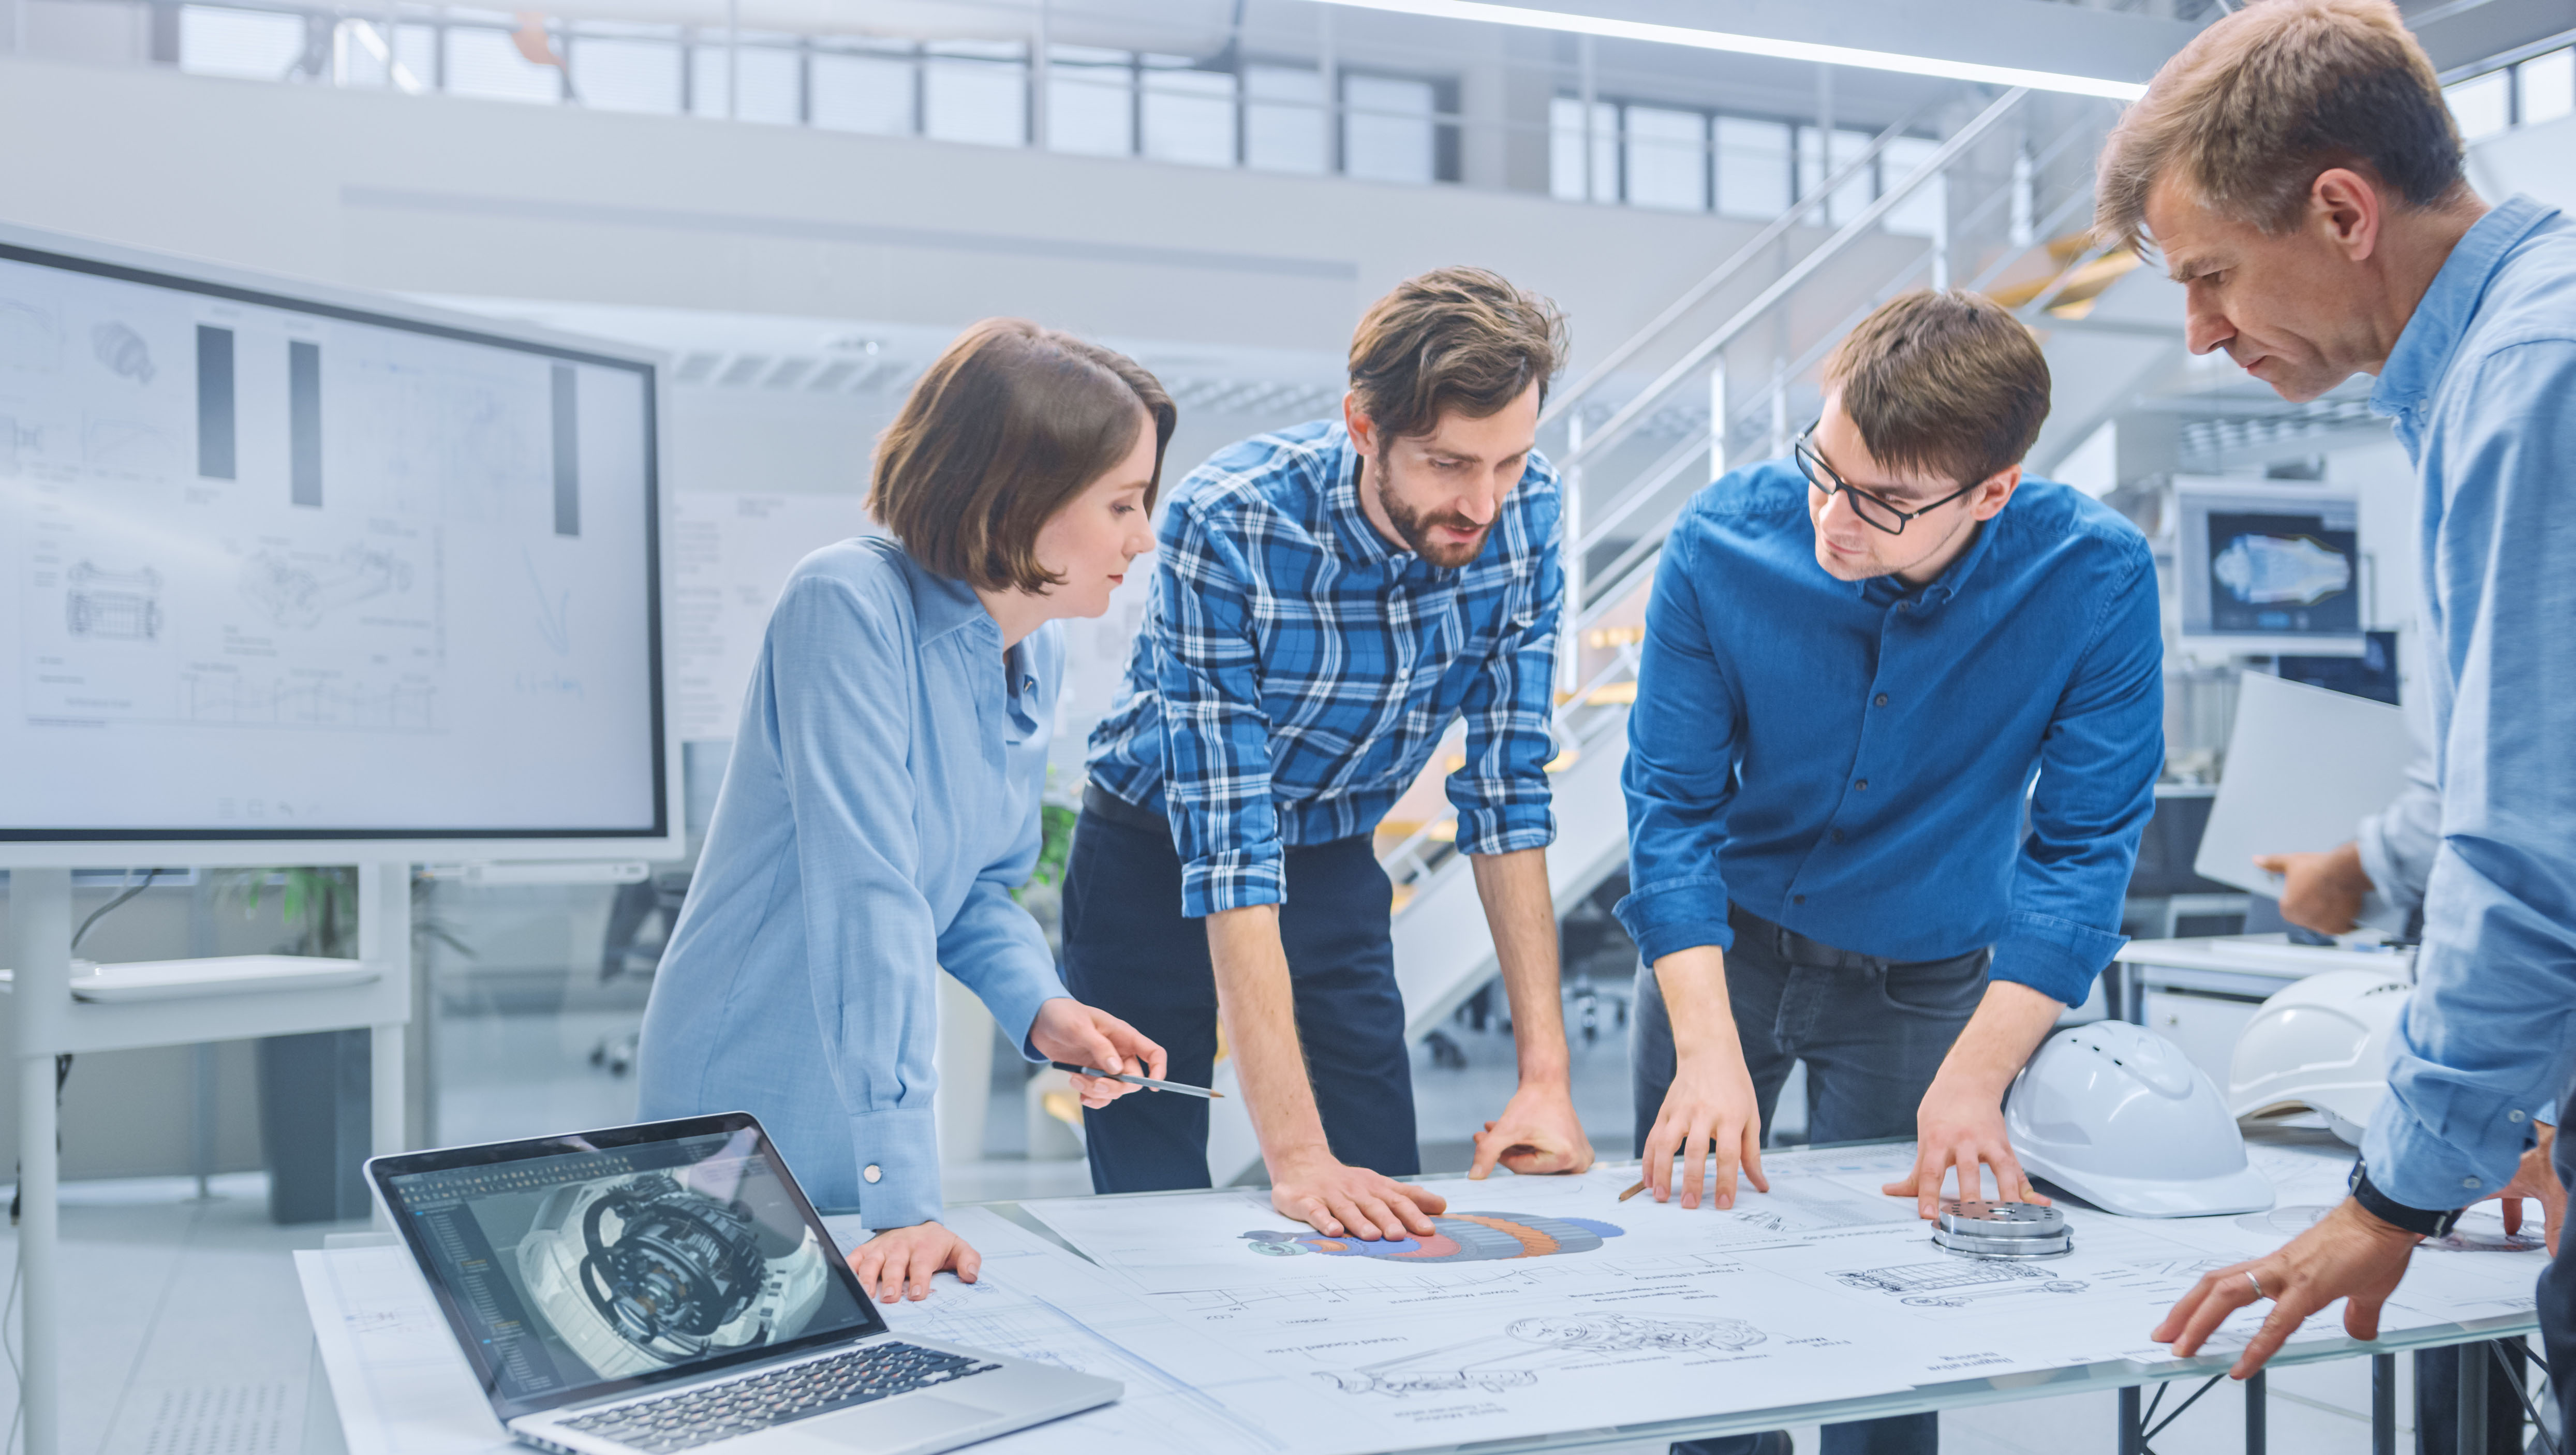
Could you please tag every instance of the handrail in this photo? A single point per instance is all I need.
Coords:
(1806, 267)
(1743, 257)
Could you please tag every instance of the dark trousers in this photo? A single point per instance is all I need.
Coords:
(2557, 1293)
(1128, 951)
(1872, 1033)
(2437, 1399)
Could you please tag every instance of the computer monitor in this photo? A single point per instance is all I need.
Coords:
(305, 575)
(2267, 569)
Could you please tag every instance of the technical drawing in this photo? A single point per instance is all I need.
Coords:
(554, 611)
(1809, 1210)
(112, 605)
(229, 698)
(2264, 570)
(1955, 1281)
(295, 594)
(124, 444)
(123, 352)
(1526, 1348)
(1463, 1237)
(30, 339)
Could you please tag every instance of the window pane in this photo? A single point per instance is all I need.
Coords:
(1189, 116)
(416, 55)
(1920, 214)
(250, 43)
(487, 63)
(1666, 158)
(1565, 174)
(2481, 105)
(1091, 105)
(2548, 86)
(1285, 126)
(975, 99)
(769, 82)
(1851, 198)
(1387, 129)
(861, 93)
(1752, 167)
(620, 74)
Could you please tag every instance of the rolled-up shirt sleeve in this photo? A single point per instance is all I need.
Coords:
(1216, 735)
(1501, 791)
(2484, 1043)
(871, 938)
(1679, 778)
(2098, 765)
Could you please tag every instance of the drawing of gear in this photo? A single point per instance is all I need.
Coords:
(1463, 1237)
(123, 351)
(295, 594)
(2275, 570)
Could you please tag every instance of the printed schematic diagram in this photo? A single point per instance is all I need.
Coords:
(1526, 1348)
(116, 606)
(1955, 1282)
(296, 592)
(122, 351)
(1462, 1237)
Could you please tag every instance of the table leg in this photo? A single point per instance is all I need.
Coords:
(2133, 1433)
(2254, 1414)
(2473, 1400)
(2383, 1404)
(39, 1241)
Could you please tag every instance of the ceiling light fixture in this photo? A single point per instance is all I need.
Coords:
(1530, 18)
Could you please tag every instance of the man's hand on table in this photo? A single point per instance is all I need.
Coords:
(1538, 1133)
(899, 1262)
(2537, 1178)
(1709, 1108)
(2348, 1255)
(1339, 1200)
(1960, 1123)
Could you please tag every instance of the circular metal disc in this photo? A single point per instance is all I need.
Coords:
(2003, 1230)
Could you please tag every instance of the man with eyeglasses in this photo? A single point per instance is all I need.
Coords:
(1856, 660)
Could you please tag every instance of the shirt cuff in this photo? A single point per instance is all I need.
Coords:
(1232, 879)
(1015, 1005)
(1675, 915)
(2056, 957)
(2472, 1151)
(901, 1146)
(1506, 828)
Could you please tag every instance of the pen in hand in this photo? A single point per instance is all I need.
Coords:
(1148, 1082)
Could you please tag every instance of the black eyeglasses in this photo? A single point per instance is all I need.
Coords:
(1863, 503)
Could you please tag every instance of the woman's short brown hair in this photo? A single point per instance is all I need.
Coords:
(1009, 423)
(1453, 338)
(2258, 104)
(1950, 384)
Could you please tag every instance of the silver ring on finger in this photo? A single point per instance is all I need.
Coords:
(2258, 1284)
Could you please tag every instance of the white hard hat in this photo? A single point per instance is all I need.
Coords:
(2321, 1046)
(2117, 1115)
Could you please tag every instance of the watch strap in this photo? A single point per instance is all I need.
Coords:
(2423, 1222)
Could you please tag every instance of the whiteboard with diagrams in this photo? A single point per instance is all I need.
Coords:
(292, 564)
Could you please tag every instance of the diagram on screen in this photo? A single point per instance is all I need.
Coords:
(1464, 1237)
(122, 351)
(1956, 1282)
(295, 590)
(2281, 572)
(1528, 1348)
(112, 605)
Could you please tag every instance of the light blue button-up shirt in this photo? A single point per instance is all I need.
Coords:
(2482, 385)
(881, 804)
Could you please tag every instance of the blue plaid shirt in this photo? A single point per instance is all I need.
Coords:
(1295, 671)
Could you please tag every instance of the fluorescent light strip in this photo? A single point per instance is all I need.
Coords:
(1755, 45)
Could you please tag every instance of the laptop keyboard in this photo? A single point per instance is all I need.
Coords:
(715, 1412)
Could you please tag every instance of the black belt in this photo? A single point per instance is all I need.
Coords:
(1101, 803)
(1800, 949)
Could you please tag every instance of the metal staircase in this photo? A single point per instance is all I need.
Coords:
(1667, 411)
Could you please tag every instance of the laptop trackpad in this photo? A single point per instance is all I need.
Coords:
(898, 1424)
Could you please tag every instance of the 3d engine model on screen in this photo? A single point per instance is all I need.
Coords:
(644, 1273)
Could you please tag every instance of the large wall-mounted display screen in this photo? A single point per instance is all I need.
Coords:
(288, 568)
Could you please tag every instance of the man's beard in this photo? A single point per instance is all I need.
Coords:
(1416, 529)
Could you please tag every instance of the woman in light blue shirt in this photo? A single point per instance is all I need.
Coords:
(882, 800)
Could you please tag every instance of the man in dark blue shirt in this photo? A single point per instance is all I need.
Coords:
(1856, 661)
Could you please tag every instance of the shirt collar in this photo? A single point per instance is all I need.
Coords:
(1350, 523)
(2441, 318)
(1891, 587)
(942, 604)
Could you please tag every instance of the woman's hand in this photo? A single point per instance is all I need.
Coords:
(1068, 1030)
(898, 1262)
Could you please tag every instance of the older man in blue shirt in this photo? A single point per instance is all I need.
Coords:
(1855, 662)
(2299, 171)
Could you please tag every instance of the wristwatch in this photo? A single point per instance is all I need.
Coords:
(2423, 1222)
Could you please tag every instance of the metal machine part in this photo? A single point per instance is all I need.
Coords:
(2017, 1230)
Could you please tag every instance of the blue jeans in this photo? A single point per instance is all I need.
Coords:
(1872, 1033)
(1128, 951)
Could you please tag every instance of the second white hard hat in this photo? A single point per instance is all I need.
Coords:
(2117, 1115)
(2319, 1046)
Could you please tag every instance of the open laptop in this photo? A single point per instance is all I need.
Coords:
(667, 1287)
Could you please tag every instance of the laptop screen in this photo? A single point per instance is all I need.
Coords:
(575, 1267)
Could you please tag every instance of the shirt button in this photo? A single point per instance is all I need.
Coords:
(1862, 785)
(1838, 836)
(2514, 1117)
(873, 1173)
(2470, 1183)
(1880, 699)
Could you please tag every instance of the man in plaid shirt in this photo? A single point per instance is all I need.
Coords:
(1327, 600)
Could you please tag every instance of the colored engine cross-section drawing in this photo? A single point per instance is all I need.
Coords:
(1463, 1237)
